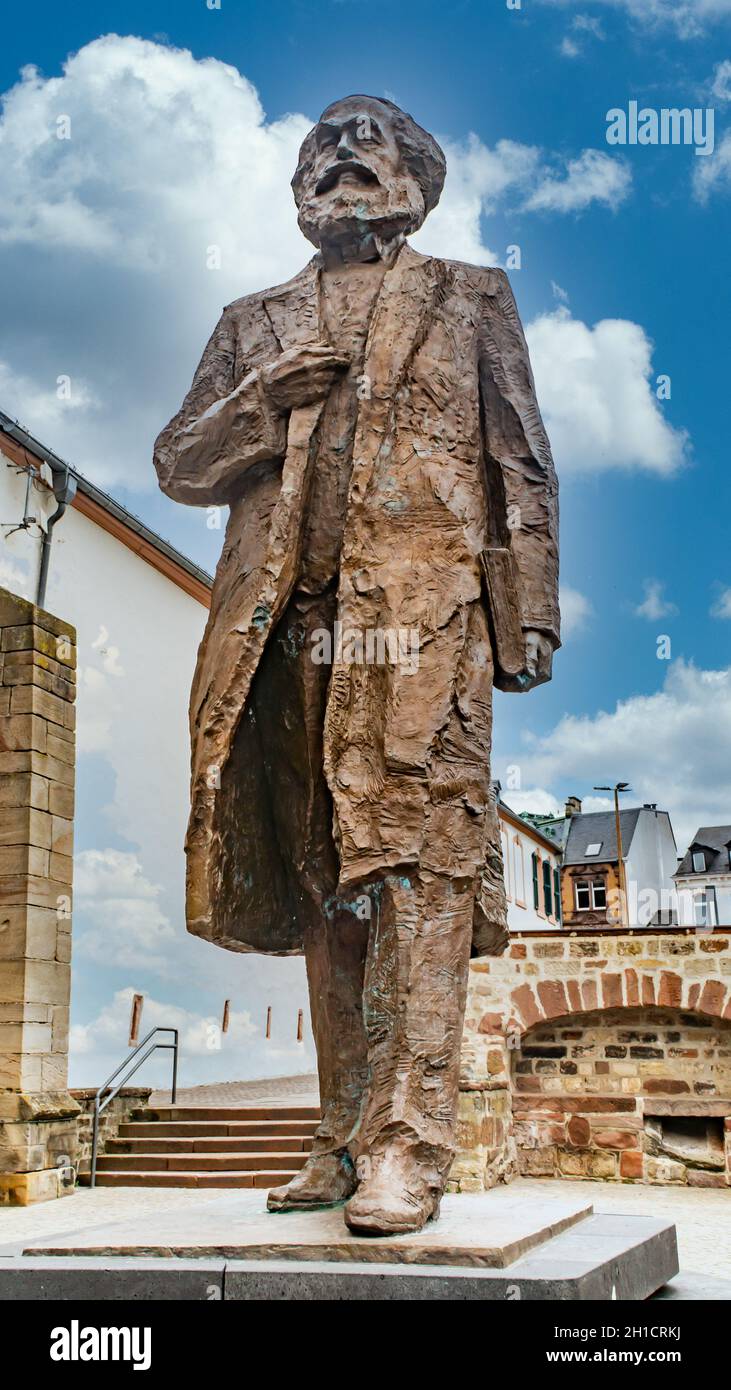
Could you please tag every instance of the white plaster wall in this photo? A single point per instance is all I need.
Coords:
(649, 866)
(695, 883)
(138, 635)
(522, 915)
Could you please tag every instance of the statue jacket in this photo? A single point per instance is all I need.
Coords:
(451, 468)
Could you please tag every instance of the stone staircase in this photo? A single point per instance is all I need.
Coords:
(209, 1146)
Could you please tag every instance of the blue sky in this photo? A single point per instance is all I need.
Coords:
(106, 282)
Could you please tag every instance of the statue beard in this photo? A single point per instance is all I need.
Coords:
(359, 220)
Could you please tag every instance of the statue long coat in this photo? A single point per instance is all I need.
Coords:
(451, 464)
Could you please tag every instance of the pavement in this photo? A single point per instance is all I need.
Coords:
(702, 1218)
(277, 1090)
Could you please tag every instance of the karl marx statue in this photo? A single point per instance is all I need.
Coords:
(373, 427)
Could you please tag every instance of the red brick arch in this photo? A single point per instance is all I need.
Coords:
(625, 987)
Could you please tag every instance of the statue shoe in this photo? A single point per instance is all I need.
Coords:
(325, 1180)
(387, 1204)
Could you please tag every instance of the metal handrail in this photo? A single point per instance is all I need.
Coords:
(100, 1105)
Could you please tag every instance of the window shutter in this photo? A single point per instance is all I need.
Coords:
(536, 896)
(557, 893)
(547, 895)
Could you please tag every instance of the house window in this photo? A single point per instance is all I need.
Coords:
(583, 895)
(518, 872)
(704, 908)
(590, 893)
(536, 894)
(599, 893)
(506, 862)
(699, 861)
(547, 892)
(557, 893)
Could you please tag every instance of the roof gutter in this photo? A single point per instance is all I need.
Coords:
(64, 490)
(91, 496)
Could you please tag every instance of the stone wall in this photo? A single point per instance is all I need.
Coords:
(598, 1055)
(119, 1111)
(37, 691)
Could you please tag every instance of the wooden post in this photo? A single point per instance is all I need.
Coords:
(135, 1019)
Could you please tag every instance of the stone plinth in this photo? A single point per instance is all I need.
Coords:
(481, 1231)
(37, 752)
(484, 1246)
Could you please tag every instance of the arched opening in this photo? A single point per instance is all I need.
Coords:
(632, 1094)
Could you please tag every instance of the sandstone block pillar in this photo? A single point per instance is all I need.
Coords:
(486, 1152)
(38, 1116)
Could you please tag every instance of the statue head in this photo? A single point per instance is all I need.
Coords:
(367, 176)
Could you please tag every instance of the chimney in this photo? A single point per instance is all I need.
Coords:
(573, 806)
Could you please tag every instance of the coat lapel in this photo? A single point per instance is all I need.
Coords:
(294, 309)
(401, 320)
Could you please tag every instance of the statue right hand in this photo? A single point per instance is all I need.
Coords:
(302, 375)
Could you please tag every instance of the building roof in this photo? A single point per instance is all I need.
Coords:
(555, 828)
(520, 823)
(24, 449)
(598, 828)
(715, 840)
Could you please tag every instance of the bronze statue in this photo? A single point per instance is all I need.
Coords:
(374, 429)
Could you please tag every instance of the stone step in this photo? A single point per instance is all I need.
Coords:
(226, 1112)
(200, 1129)
(300, 1143)
(201, 1178)
(200, 1162)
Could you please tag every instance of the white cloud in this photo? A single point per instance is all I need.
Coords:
(575, 612)
(206, 1054)
(45, 412)
(721, 81)
(667, 745)
(713, 174)
(199, 1034)
(15, 578)
(594, 177)
(478, 179)
(588, 24)
(582, 25)
(722, 606)
(688, 17)
(104, 236)
(595, 389)
(109, 232)
(654, 605)
(127, 928)
(535, 800)
(540, 802)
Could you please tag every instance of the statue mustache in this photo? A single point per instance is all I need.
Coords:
(335, 172)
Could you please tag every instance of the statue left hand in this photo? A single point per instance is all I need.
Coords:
(538, 660)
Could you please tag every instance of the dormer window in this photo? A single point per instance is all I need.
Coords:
(699, 861)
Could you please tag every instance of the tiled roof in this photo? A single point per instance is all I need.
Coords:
(715, 840)
(599, 828)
